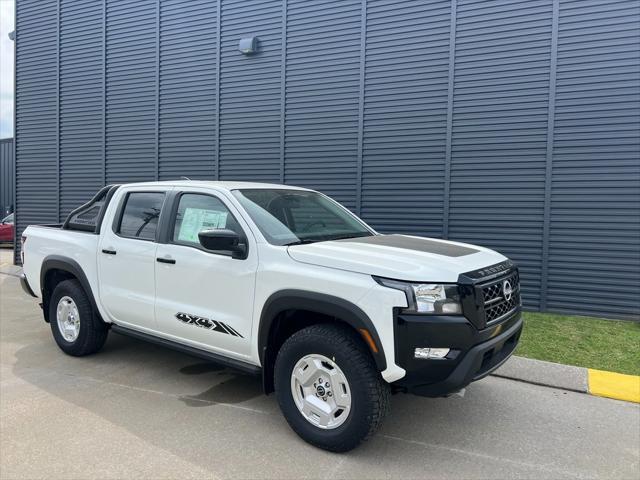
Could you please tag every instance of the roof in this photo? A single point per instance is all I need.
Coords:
(216, 184)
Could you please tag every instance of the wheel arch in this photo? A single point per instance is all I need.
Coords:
(274, 316)
(60, 268)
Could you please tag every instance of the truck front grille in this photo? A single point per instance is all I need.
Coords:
(501, 297)
(485, 301)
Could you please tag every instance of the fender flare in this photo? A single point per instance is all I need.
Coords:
(319, 303)
(66, 264)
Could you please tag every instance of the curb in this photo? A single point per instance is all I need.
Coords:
(547, 374)
(614, 385)
(575, 379)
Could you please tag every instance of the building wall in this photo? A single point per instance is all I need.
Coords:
(7, 177)
(513, 125)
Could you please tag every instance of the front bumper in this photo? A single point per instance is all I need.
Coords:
(25, 286)
(474, 353)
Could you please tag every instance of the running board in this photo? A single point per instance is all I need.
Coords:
(196, 352)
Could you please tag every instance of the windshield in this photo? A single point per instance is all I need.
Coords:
(290, 217)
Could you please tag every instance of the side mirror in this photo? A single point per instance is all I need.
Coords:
(223, 240)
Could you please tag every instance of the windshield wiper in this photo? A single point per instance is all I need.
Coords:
(349, 235)
(300, 242)
(337, 237)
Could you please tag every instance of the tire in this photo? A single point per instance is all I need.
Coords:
(92, 331)
(369, 393)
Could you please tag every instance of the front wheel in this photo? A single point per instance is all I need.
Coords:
(328, 387)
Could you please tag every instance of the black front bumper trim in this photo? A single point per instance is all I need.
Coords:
(436, 378)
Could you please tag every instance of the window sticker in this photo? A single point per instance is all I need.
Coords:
(196, 220)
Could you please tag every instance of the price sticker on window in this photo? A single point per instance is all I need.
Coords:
(195, 220)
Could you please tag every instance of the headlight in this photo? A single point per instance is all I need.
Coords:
(433, 298)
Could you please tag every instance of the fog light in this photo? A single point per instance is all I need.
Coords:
(431, 353)
(448, 307)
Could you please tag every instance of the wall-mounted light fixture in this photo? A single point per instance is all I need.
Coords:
(248, 46)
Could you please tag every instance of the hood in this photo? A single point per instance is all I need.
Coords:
(399, 257)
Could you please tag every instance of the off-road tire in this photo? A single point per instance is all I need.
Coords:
(369, 392)
(93, 331)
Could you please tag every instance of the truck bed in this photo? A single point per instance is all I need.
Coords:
(48, 241)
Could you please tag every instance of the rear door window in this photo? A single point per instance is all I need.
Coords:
(140, 215)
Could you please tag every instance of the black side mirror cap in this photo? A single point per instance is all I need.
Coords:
(224, 240)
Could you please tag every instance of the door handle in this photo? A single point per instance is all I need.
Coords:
(166, 260)
(108, 252)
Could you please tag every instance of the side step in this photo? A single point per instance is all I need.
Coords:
(196, 352)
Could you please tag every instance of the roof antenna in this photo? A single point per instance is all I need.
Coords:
(185, 178)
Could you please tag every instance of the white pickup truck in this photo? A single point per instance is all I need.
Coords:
(281, 282)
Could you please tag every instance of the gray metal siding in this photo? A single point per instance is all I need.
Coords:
(131, 84)
(250, 92)
(187, 125)
(7, 177)
(594, 255)
(322, 96)
(81, 109)
(511, 124)
(499, 130)
(36, 127)
(405, 116)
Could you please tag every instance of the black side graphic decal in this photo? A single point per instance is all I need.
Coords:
(207, 323)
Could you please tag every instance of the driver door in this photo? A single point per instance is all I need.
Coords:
(205, 298)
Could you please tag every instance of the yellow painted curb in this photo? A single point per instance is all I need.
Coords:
(614, 385)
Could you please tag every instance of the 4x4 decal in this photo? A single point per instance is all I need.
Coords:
(207, 323)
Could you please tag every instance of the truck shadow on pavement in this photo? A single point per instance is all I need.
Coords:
(237, 389)
(133, 362)
(230, 386)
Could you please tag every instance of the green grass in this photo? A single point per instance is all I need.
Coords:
(582, 341)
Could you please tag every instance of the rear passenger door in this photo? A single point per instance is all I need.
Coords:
(127, 258)
(205, 298)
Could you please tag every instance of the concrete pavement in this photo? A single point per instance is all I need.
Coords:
(137, 410)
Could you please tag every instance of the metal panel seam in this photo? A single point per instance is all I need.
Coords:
(363, 50)
(218, 61)
(58, 166)
(449, 134)
(283, 88)
(157, 162)
(104, 92)
(544, 274)
(15, 136)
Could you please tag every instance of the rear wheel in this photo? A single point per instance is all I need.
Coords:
(75, 325)
(328, 387)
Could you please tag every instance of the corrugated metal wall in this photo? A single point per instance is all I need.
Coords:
(509, 124)
(37, 111)
(7, 177)
(594, 231)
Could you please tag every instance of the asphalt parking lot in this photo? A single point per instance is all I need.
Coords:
(137, 410)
